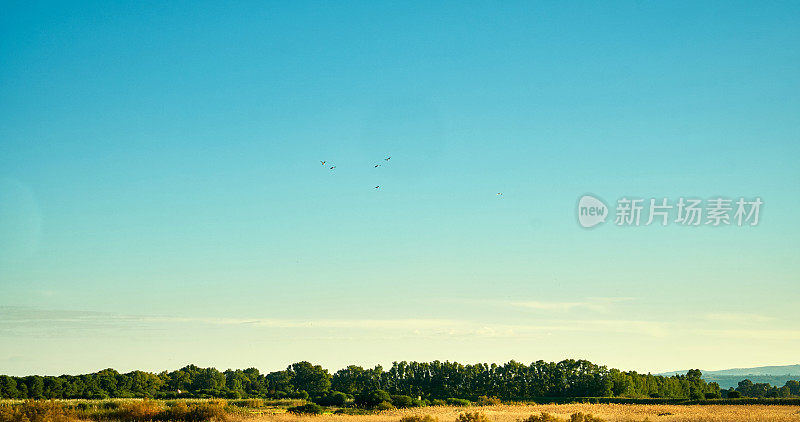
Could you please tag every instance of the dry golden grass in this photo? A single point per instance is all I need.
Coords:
(609, 412)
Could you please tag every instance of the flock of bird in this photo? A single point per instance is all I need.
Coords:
(325, 163)
(332, 167)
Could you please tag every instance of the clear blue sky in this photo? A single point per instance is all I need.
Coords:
(162, 200)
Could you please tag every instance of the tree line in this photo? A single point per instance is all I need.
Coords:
(748, 388)
(421, 382)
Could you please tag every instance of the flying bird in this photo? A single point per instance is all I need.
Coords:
(323, 162)
(377, 187)
(333, 167)
(377, 165)
(387, 158)
(499, 193)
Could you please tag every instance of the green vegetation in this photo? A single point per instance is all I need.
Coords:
(130, 411)
(489, 401)
(575, 417)
(417, 418)
(472, 417)
(542, 417)
(35, 411)
(748, 388)
(405, 384)
(307, 409)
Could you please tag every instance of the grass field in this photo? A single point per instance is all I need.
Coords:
(609, 412)
(137, 410)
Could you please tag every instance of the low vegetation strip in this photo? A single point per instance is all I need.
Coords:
(790, 401)
(134, 410)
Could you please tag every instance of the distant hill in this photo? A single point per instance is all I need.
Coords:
(726, 378)
(758, 370)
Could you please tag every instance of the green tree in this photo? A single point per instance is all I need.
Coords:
(312, 378)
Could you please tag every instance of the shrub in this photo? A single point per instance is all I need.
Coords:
(402, 401)
(84, 406)
(438, 402)
(109, 405)
(207, 411)
(734, 394)
(384, 405)
(458, 402)
(307, 409)
(580, 417)
(489, 401)
(417, 418)
(372, 398)
(144, 410)
(419, 403)
(543, 417)
(334, 398)
(177, 411)
(194, 412)
(472, 417)
(35, 411)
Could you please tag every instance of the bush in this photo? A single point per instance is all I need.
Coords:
(438, 402)
(195, 412)
(35, 411)
(543, 417)
(85, 406)
(207, 411)
(580, 417)
(419, 403)
(372, 398)
(334, 398)
(472, 417)
(417, 418)
(734, 394)
(384, 405)
(144, 410)
(307, 409)
(402, 401)
(177, 410)
(109, 405)
(458, 402)
(489, 401)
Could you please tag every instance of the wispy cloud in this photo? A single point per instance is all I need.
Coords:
(29, 320)
(22, 321)
(449, 327)
(596, 304)
(738, 318)
(314, 323)
(752, 334)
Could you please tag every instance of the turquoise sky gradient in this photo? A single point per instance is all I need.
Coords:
(162, 200)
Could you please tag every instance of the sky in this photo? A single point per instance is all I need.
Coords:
(162, 200)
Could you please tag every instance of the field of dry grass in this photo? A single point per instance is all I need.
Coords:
(608, 412)
(138, 410)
